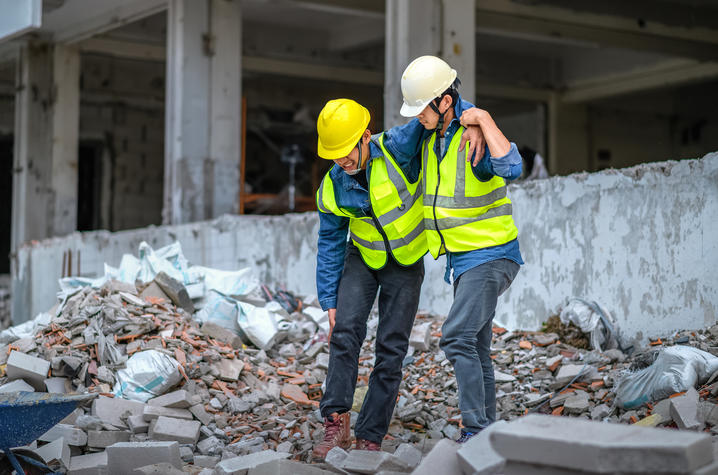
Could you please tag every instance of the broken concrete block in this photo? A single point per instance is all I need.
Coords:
(72, 436)
(577, 404)
(206, 461)
(56, 452)
(199, 412)
(684, 411)
(442, 459)
(566, 373)
(521, 468)
(58, 385)
(229, 370)
(153, 291)
(125, 457)
(210, 446)
(664, 409)
(176, 291)
(367, 461)
(408, 454)
(421, 337)
(101, 439)
(500, 377)
(168, 428)
(153, 412)
(572, 443)
(28, 368)
(14, 386)
(322, 361)
(110, 410)
(180, 399)
(222, 334)
(162, 468)
(600, 412)
(287, 467)
(240, 465)
(336, 457)
(90, 464)
(478, 457)
(138, 424)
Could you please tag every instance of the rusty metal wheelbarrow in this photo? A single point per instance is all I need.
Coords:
(25, 416)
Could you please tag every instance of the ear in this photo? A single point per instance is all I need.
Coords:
(445, 103)
(366, 136)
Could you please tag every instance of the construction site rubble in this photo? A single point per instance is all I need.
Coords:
(235, 386)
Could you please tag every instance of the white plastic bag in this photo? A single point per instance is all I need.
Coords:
(221, 310)
(234, 283)
(676, 369)
(593, 320)
(148, 374)
(259, 324)
(27, 329)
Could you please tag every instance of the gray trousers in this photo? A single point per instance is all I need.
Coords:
(466, 338)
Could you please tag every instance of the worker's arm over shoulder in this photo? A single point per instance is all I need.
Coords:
(403, 142)
(331, 247)
(508, 166)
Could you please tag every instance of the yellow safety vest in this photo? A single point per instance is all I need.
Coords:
(398, 213)
(462, 213)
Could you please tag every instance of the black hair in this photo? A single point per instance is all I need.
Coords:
(452, 91)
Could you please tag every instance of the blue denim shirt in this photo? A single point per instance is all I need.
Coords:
(507, 167)
(404, 143)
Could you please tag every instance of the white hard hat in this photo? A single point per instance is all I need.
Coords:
(423, 81)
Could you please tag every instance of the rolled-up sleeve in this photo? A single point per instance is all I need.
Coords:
(331, 247)
(508, 167)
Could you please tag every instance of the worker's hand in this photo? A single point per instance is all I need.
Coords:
(472, 116)
(332, 321)
(477, 143)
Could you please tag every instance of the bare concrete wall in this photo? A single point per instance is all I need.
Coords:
(641, 241)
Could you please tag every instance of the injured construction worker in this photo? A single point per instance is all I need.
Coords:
(468, 217)
(373, 192)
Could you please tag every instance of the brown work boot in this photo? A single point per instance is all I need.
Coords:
(363, 444)
(337, 433)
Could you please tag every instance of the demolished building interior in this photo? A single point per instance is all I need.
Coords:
(158, 243)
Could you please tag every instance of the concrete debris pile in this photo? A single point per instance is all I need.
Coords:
(207, 398)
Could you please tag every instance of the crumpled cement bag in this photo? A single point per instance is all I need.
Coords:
(233, 283)
(259, 324)
(26, 329)
(676, 369)
(593, 320)
(148, 374)
(221, 310)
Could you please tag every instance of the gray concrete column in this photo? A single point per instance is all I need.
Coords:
(47, 105)
(203, 110)
(444, 28)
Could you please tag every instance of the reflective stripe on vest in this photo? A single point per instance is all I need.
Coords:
(460, 211)
(398, 208)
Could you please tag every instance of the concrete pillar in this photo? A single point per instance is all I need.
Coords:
(47, 105)
(203, 110)
(444, 28)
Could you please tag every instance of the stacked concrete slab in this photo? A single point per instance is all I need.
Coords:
(538, 445)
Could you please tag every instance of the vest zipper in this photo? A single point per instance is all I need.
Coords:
(381, 231)
(436, 194)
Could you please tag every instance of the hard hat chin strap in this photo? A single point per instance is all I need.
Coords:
(440, 124)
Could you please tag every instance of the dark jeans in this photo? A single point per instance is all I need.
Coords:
(466, 338)
(399, 288)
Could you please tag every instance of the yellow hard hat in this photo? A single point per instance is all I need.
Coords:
(423, 81)
(340, 125)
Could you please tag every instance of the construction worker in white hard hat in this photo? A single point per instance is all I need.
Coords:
(468, 217)
(373, 193)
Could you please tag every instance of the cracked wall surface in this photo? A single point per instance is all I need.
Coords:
(641, 241)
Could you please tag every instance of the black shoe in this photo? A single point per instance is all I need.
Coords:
(465, 436)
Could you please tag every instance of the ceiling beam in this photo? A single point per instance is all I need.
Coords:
(667, 74)
(508, 17)
(80, 19)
